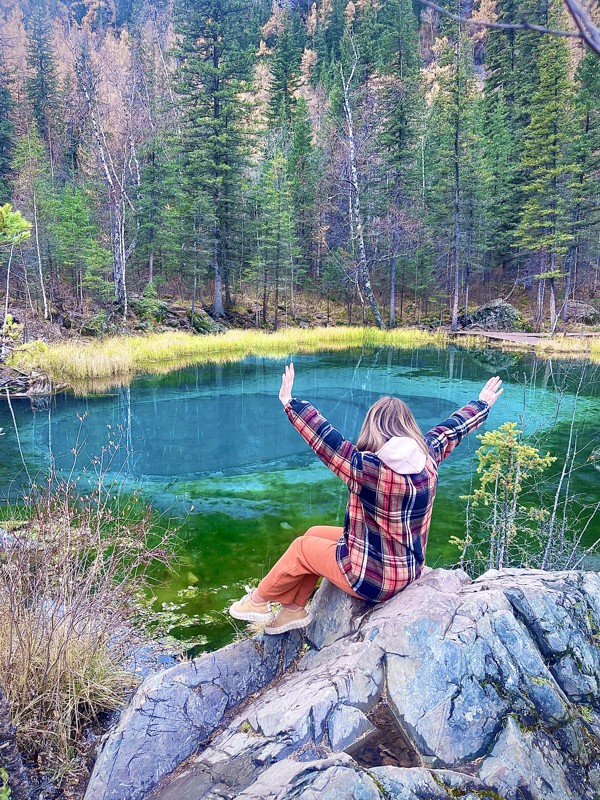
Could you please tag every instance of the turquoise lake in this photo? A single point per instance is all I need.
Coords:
(211, 448)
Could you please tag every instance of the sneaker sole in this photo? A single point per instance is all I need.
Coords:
(252, 616)
(293, 625)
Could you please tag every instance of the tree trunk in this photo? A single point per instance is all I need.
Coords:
(540, 304)
(39, 255)
(193, 313)
(151, 256)
(218, 309)
(10, 758)
(363, 270)
(454, 324)
(393, 281)
(553, 316)
(119, 257)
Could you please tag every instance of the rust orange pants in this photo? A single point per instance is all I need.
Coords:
(297, 572)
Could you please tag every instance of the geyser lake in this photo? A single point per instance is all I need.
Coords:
(211, 449)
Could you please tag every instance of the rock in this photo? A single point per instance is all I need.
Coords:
(204, 323)
(329, 779)
(474, 689)
(582, 312)
(497, 315)
(529, 765)
(418, 783)
(174, 711)
(336, 615)
(346, 727)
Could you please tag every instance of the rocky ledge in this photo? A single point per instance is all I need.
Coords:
(454, 688)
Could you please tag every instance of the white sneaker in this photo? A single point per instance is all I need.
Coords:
(288, 620)
(249, 611)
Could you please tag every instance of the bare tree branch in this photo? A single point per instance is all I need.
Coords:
(588, 31)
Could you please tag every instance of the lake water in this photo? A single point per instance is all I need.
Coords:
(211, 447)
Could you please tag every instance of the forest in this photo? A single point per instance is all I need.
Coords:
(238, 154)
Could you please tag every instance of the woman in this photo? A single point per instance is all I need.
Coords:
(391, 476)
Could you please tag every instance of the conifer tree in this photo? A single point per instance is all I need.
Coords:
(7, 137)
(75, 242)
(214, 68)
(278, 249)
(542, 231)
(285, 75)
(302, 174)
(452, 174)
(42, 81)
(583, 155)
(402, 105)
(32, 190)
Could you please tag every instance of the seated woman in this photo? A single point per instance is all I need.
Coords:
(392, 475)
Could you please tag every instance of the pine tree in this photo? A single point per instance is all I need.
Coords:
(42, 81)
(583, 155)
(498, 170)
(398, 59)
(451, 174)
(302, 173)
(7, 137)
(285, 75)
(277, 250)
(75, 242)
(511, 77)
(214, 68)
(543, 228)
(33, 192)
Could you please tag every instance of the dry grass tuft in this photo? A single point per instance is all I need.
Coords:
(70, 574)
(120, 357)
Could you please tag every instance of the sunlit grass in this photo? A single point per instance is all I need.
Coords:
(102, 364)
(570, 347)
(116, 359)
(583, 347)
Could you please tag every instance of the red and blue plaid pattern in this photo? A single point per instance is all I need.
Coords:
(387, 518)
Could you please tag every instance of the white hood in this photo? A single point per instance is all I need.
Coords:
(403, 455)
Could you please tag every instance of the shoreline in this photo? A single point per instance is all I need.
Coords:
(97, 365)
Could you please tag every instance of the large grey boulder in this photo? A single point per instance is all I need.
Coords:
(175, 711)
(497, 315)
(454, 688)
(582, 312)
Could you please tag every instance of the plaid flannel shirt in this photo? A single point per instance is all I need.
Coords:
(387, 518)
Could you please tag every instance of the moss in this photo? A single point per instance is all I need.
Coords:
(246, 728)
(485, 794)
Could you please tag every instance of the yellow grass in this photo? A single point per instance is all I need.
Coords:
(570, 347)
(114, 361)
(125, 356)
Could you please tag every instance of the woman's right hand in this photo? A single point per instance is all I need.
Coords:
(491, 391)
(287, 382)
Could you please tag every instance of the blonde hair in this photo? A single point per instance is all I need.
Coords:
(388, 417)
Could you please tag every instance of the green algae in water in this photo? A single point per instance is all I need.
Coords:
(210, 447)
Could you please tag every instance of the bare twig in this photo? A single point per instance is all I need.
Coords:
(587, 30)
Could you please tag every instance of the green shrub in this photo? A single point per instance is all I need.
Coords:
(96, 325)
(148, 307)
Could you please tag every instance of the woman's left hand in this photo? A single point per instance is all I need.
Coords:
(287, 382)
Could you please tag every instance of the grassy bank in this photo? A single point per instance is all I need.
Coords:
(571, 347)
(116, 360)
(111, 359)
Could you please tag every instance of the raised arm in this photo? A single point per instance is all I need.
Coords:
(442, 439)
(337, 453)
